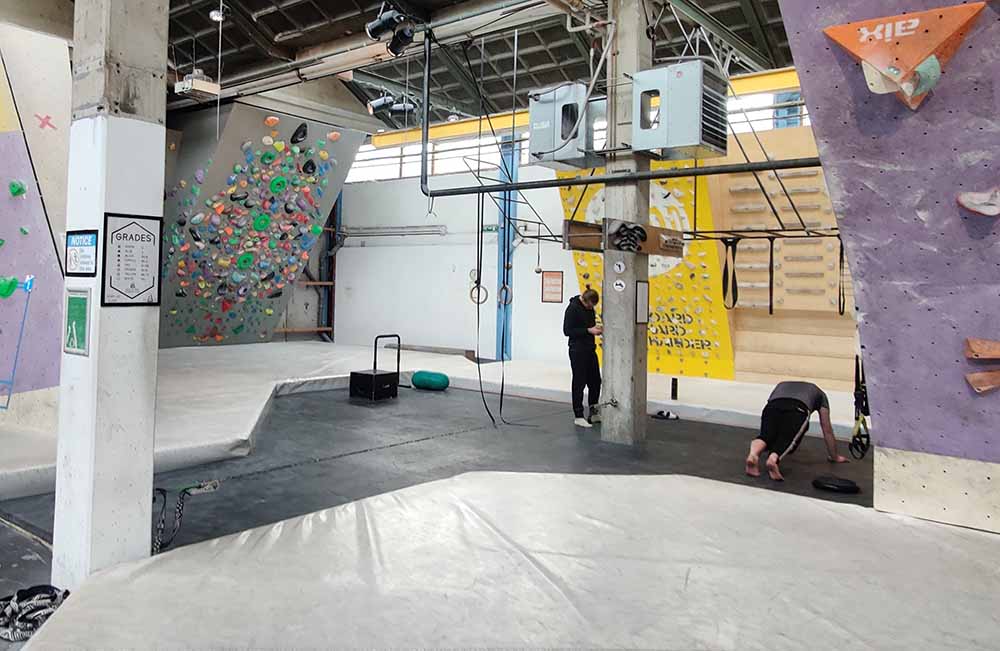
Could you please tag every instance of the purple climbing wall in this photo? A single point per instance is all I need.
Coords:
(926, 272)
(27, 250)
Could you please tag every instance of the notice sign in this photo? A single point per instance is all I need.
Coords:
(76, 334)
(552, 287)
(131, 260)
(81, 253)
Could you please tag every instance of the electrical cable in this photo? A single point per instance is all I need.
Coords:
(590, 92)
(842, 289)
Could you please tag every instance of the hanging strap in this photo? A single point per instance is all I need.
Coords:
(842, 291)
(770, 278)
(730, 298)
(860, 388)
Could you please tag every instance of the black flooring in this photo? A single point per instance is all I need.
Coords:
(319, 450)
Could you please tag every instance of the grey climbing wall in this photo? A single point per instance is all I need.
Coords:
(242, 218)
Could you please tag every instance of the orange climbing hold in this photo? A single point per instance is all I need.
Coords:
(272, 120)
(905, 54)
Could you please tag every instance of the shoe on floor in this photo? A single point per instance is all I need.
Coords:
(582, 422)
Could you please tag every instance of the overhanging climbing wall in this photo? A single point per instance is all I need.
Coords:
(926, 271)
(243, 215)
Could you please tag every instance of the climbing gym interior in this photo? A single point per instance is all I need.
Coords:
(499, 323)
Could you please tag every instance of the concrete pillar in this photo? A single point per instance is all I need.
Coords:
(624, 371)
(108, 398)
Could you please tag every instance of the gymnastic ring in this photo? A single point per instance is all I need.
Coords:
(479, 292)
(505, 295)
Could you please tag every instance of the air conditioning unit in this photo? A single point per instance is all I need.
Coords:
(560, 139)
(680, 111)
(197, 85)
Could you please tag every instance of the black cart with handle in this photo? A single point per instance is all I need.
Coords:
(373, 384)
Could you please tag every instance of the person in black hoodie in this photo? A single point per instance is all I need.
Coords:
(580, 326)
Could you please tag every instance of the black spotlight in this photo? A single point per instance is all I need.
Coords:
(380, 104)
(384, 24)
(401, 39)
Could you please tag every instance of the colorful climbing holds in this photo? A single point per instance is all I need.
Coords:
(278, 184)
(300, 134)
(268, 157)
(272, 120)
(324, 154)
(7, 286)
(16, 188)
(316, 229)
(333, 136)
(279, 145)
(267, 140)
(245, 261)
(24, 230)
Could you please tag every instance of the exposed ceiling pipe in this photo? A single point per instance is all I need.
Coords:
(357, 51)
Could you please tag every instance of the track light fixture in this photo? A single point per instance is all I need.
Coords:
(401, 39)
(381, 104)
(384, 24)
(404, 106)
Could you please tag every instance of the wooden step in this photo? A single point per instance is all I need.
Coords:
(984, 382)
(826, 324)
(824, 383)
(982, 349)
(833, 368)
(752, 341)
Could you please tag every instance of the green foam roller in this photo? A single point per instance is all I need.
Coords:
(430, 381)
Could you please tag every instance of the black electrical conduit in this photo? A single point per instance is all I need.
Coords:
(606, 179)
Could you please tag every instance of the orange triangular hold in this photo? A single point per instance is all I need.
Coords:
(908, 50)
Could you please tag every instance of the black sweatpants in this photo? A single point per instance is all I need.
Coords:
(783, 423)
(586, 373)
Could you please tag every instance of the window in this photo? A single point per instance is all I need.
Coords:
(741, 115)
(649, 109)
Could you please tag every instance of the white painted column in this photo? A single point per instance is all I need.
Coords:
(108, 399)
(625, 347)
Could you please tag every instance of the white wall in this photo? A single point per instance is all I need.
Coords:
(537, 326)
(415, 286)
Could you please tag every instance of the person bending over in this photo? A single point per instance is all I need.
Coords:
(784, 422)
(580, 326)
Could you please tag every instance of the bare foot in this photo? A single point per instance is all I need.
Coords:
(773, 471)
(753, 467)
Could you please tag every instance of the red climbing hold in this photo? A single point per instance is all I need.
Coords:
(226, 306)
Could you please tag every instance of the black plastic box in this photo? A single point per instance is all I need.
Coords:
(374, 384)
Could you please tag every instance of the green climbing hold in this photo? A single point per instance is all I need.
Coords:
(234, 240)
(316, 229)
(278, 184)
(245, 261)
(24, 230)
(7, 286)
(238, 329)
(272, 244)
(268, 157)
(261, 222)
(2, 241)
(17, 188)
(430, 381)
(237, 169)
(190, 330)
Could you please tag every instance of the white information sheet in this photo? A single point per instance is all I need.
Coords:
(131, 260)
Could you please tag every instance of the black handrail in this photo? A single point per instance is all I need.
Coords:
(399, 351)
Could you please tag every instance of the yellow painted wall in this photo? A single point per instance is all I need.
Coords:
(689, 332)
(8, 114)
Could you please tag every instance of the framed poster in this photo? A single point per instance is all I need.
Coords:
(132, 252)
(552, 287)
(76, 333)
(81, 254)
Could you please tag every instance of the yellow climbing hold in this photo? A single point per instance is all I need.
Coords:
(279, 145)
(324, 154)
(269, 311)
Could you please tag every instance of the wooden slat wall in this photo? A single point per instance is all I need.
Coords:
(805, 338)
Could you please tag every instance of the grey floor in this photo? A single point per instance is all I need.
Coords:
(319, 450)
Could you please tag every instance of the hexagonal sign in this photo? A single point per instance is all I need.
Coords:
(131, 269)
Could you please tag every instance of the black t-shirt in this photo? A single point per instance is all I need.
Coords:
(807, 393)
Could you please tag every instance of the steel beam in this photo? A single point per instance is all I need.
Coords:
(749, 55)
(465, 81)
(750, 9)
(259, 33)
